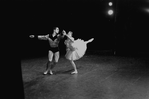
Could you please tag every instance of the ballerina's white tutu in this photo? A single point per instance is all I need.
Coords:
(76, 49)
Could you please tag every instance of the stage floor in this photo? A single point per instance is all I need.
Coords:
(99, 77)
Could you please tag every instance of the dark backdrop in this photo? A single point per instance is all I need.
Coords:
(125, 31)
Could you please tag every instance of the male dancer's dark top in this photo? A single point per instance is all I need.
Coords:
(54, 42)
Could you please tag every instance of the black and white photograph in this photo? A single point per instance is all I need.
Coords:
(81, 49)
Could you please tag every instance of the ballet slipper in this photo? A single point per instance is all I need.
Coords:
(75, 72)
(51, 72)
(46, 72)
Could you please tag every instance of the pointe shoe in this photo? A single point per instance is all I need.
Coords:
(75, 72)
(46, 72)
(51, 72)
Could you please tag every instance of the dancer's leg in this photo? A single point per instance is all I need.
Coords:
(74, 66)
(49, 63)
(56, 58)
(90, 40)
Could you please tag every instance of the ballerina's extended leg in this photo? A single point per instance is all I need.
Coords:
(90, 40)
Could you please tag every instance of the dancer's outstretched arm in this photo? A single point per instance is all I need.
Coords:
(41, 37)
(90, 40)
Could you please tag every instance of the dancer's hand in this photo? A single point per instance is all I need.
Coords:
(64, 32)
(47, 35)
(32, 36)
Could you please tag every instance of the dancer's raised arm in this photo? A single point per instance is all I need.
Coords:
(69, 35)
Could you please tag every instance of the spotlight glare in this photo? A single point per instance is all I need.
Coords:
(147, 10)
(110, 3)
(110, 12)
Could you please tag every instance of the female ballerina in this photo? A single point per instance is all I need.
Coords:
(75, 49)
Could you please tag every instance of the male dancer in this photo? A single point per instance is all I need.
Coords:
(54, 40)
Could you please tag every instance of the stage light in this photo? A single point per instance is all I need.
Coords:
(145, 7)
(147, 10)
(110, 3)
(110, 12)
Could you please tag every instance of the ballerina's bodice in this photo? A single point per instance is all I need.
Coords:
(69, 45)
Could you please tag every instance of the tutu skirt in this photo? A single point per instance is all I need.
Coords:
(76, 50)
